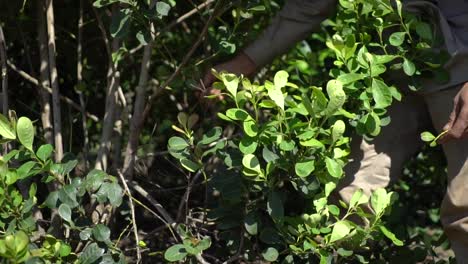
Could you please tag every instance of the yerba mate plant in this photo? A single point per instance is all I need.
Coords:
(24, 236)
(280, 169)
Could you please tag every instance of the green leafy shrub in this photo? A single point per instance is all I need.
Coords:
(283, 165)
(20, 239)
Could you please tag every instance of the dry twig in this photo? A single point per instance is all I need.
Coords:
(35, 81)
(132, 210)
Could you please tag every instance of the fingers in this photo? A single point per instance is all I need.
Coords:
(457, 126)
(452, 118)
(458, 129)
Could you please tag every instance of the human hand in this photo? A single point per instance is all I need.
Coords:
(241, 64)
(457, 126)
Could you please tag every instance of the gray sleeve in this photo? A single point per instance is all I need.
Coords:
(296, 20)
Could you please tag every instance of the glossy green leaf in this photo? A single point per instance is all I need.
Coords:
(175, 253)
(204, 244)
(397, 38)
(120, 23)
(237, 114)
(340, 230)
(86, 234)
(183, 119)
(337, 97)
(21, 241)
(338, 130)
(344, 253)
(24, 170)
(251, 162)
(270, 254)
(91, 254)
(250, 127)
(333, 168)
(356, 198)
(408, 67)
(51, 200)
(281, 79)
(275, 94)
(190, 165)
(391, 236)
(64, 250)
(64, 211)
(44, 152)
(350, 78)
(304, 168)
(248, 145)
(380, 199)
(25, 131)
(162, 8)
(251, 223)
(268, 155)
(231, 81)
(211, 136)
(6, 130)
(143, 37)
(427, 136)
(101, 233)
(381, 93)
(177, 143)
(313, 143)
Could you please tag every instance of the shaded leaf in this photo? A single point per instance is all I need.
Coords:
(65, 212)
(175, 253)
(275, 206)
(270, 254)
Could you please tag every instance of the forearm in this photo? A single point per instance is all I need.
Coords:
(297, 20)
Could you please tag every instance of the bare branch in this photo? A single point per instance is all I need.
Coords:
(113, 84)
(4, 72)
(34, 81)
(176, 22)
(132, 210)
(46, 115)
(137, 127)
(132, 144)
(79, 80)
(54, 81)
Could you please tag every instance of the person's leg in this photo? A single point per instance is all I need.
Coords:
(454, 210)
(373, 164)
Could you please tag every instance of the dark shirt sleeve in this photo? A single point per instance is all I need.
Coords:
(296, 20)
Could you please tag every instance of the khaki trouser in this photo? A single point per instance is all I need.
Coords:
(374, 164)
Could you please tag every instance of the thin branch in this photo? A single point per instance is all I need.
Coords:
(132, 145)
(54, 82)
(46, 115)
(4, 72)
(4, 77)
(79, 80)
(35, 81)
(132, 210)
(184, 201)
(162, 211)
(107, 43)
(176, 22)
(166, 216)
(113, 84)
(137, 127)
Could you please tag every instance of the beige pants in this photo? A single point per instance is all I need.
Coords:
(377, 162)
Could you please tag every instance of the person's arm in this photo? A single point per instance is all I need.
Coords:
(296, 20)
